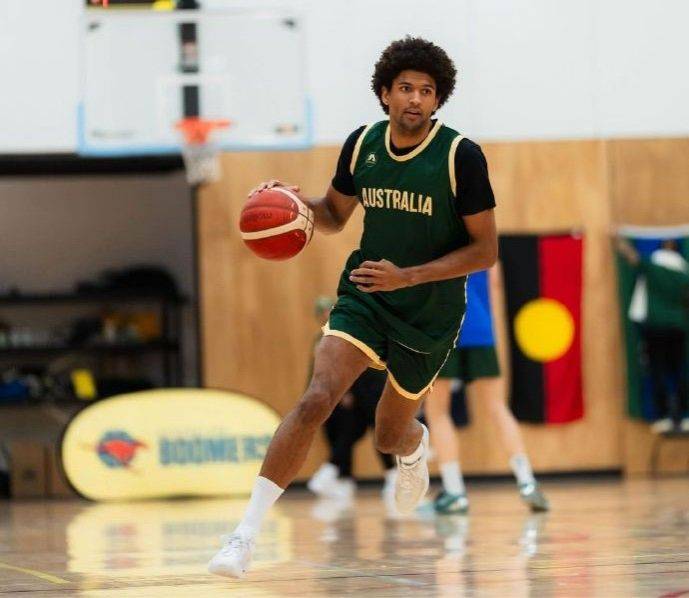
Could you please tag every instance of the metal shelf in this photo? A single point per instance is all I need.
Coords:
(168, 347)
(150, 347)
(105, 297)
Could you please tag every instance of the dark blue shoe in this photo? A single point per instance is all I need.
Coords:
(531, 494)
(451, 504)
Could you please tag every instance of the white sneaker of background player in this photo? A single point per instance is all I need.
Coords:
(431, 455)
(234, 558)
(324, 477)
(684, 425)
(662, 425)
(341, 489)
(412, 480)
(328, 509)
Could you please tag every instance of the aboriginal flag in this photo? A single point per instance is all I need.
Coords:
(543, 281)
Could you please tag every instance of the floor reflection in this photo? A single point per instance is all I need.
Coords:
(606, 539)
(171, 538)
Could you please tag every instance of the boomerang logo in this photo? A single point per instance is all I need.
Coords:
(118, 449)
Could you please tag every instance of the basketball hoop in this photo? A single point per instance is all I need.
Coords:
(201, 156)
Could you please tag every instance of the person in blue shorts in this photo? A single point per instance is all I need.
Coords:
(475, 362)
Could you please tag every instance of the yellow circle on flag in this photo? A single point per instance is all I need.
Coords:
(544, 329)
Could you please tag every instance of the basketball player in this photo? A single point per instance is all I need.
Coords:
(428, 223)
(476, 365)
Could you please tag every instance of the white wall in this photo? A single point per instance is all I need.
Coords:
(39, 56)
(529, 69)
(641, 80)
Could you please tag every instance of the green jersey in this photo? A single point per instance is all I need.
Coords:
(410, 218)
(667, 294)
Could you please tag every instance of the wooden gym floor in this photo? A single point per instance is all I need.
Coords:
(605, 538)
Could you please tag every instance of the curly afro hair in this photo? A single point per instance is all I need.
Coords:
(415, 54)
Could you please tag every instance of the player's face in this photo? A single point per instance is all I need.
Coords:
(412, 100)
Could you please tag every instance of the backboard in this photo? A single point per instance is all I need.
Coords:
(144, 70)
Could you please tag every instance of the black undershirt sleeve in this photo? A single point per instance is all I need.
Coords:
(343, 180)
(474, 193)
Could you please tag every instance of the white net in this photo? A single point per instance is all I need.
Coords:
(202, 162)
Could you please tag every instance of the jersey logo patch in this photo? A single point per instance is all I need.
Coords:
(371, 159)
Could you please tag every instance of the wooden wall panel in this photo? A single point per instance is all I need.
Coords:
(257, 316)
(649, 185)
(258, 325)
(546, 187)
(649, 181)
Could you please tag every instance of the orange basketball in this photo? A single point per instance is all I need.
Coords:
(276, 224)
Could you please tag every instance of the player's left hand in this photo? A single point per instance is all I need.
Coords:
(371, 277)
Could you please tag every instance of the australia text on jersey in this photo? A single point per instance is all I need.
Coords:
(395, 199)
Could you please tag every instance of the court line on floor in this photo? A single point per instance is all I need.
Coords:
(34, 573)
(359, 573)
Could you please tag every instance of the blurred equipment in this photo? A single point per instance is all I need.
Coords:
(28, 469)
(84, 384)
(115, 324)
(155, 280)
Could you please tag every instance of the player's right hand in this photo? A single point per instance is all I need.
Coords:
(273, 183)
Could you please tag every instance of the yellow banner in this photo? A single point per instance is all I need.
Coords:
(164, 443)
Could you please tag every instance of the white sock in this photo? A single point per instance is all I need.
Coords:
(522, 469)
(263, 496)
(418, 452)
(453, 482)
(413, 457)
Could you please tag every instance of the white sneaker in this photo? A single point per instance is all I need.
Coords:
(684, 424)
(234, 558)
(412, 480)
(324, 477)
(388, 490)
(341, 489)
(662, 425)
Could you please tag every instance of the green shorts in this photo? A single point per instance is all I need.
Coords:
(411, 372)
(471, 363)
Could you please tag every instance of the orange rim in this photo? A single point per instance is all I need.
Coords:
(196, 130)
